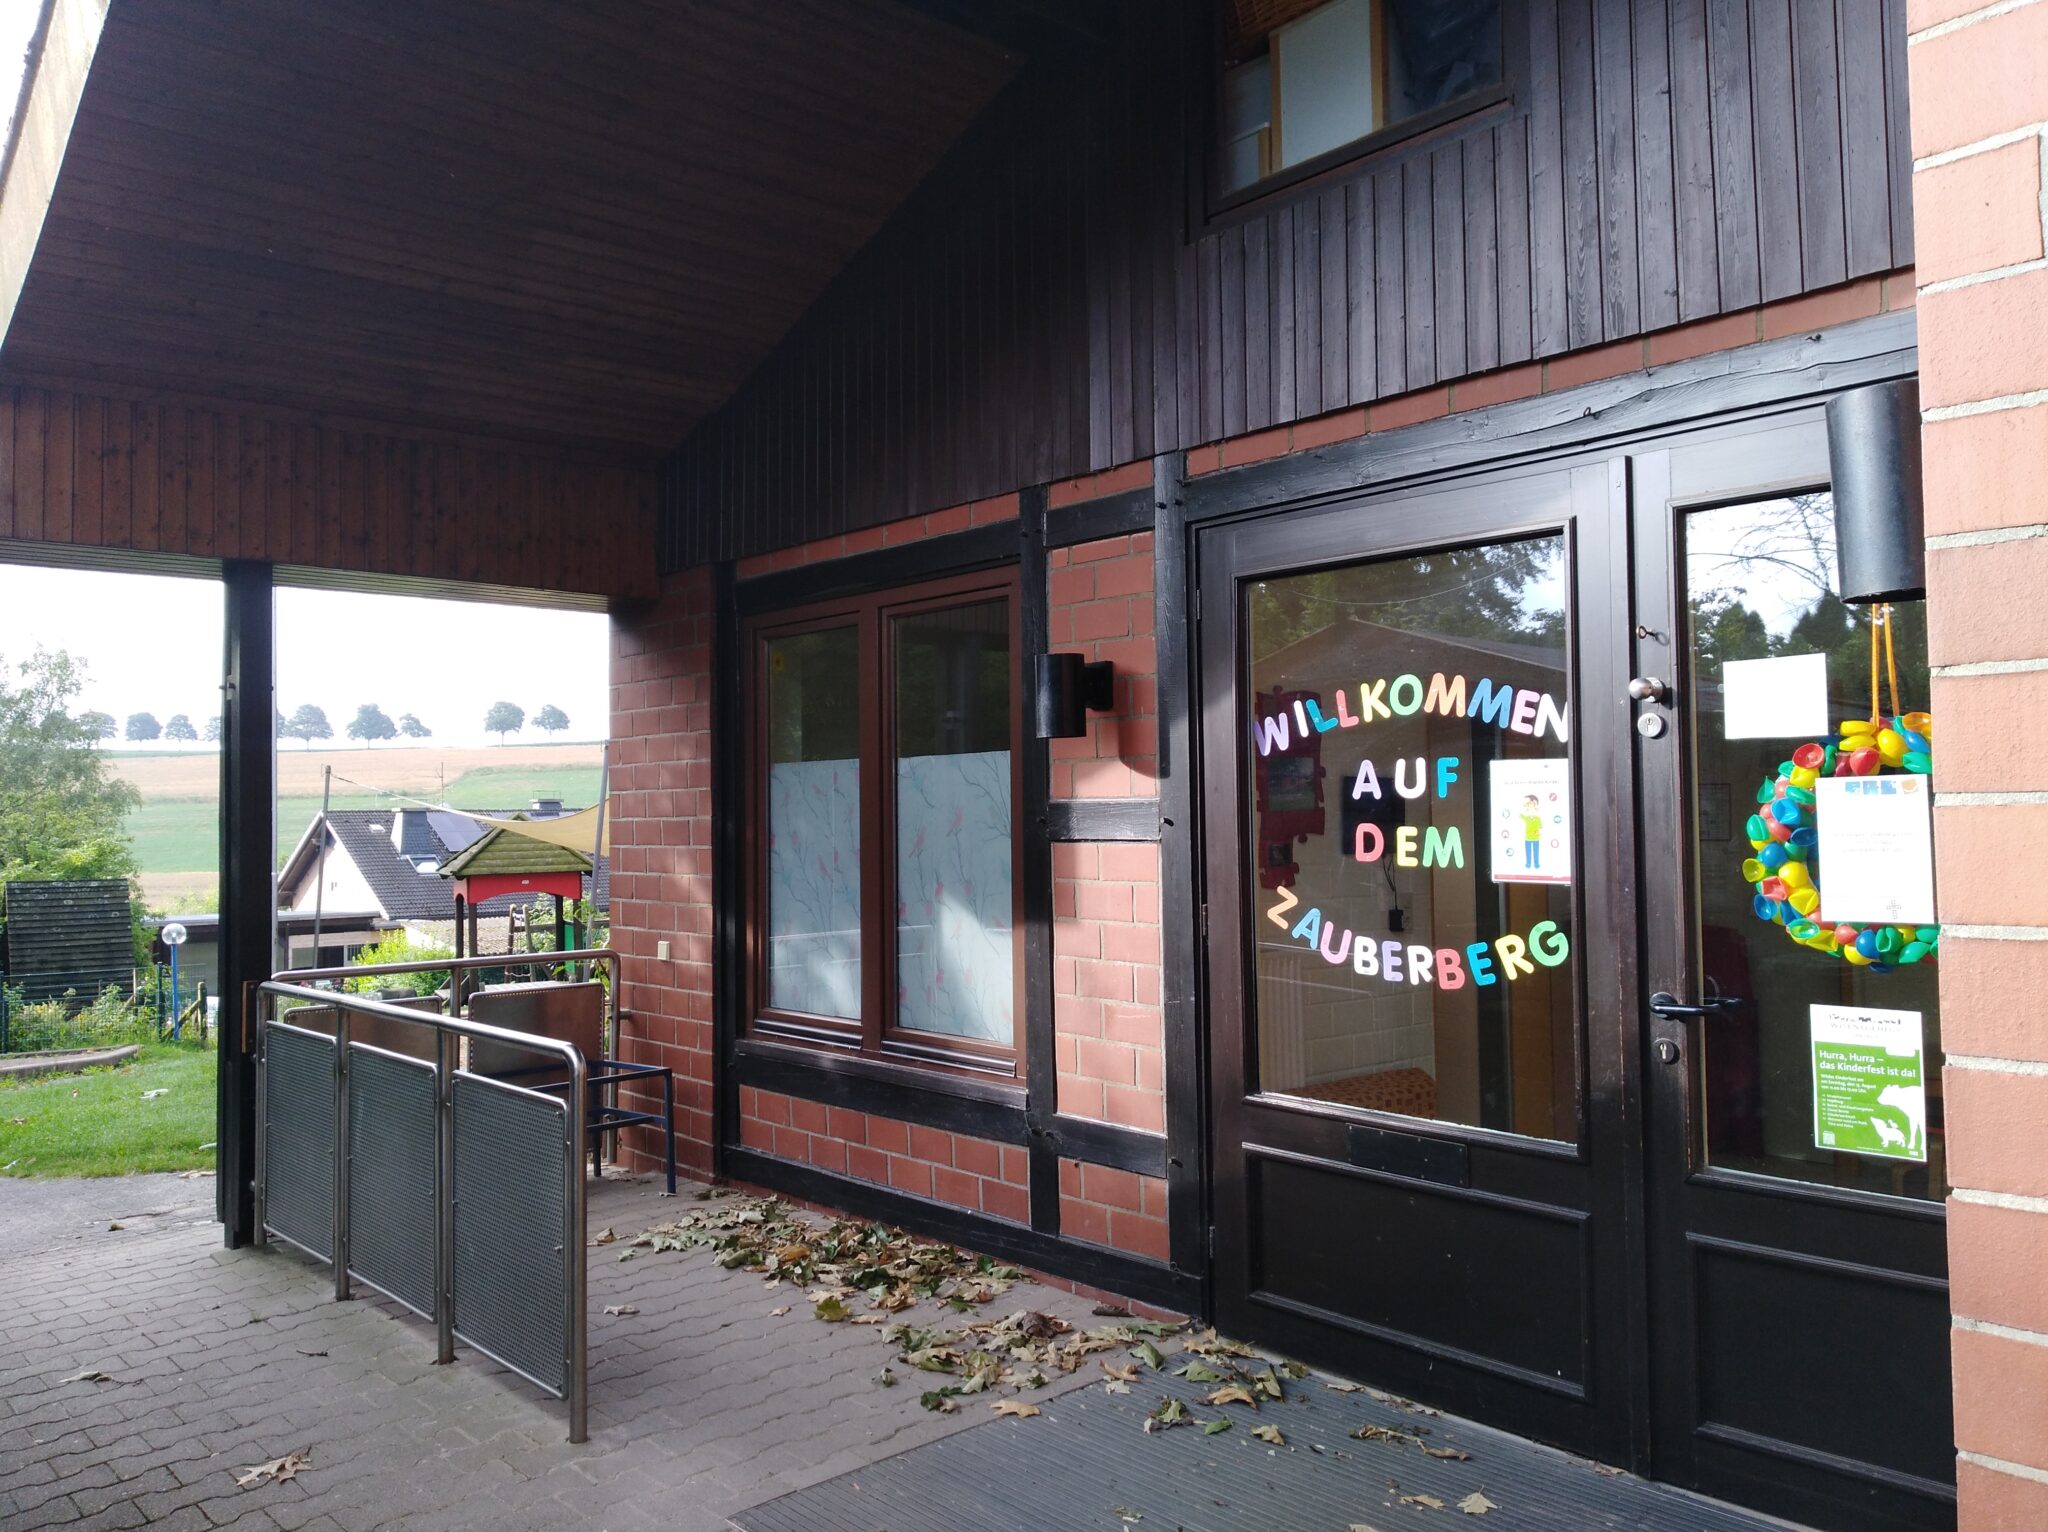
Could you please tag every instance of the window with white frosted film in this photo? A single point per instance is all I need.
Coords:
(955, 972)
(813, 829)
(1413, 837)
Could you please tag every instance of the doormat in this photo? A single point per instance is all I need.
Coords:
(1087, 1462)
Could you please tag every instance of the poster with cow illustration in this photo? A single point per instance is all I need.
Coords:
(1869, 1094)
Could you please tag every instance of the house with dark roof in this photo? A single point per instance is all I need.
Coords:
(389, 861)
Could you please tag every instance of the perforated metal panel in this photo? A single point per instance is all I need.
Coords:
(510, 1213)
(391, 1175)
(298, 1139)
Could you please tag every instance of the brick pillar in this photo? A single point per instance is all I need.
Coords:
(1979, 94)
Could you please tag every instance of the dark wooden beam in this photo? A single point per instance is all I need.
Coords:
(248, 858)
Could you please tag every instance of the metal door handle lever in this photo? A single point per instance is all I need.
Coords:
(1670, 1005)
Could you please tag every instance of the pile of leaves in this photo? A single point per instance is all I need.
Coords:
(842, 1263)
(867, 1274)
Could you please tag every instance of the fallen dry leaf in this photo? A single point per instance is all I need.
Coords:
(1122, 1372)
(1372, 1433)
(1361, 1526)
(1232, 1393)
(622, 1308)
(1215, 1427)
(1448, 1452)
(116, 1227)
(1116, 1386)
(778, 1313)
(151, 1095)
(1014, 1407)
(1345, 1388)
(605, 1237)
(1269, 1434)
(88, 1375)
(1476, 1504)
(1427, 1502)
(277, 1469)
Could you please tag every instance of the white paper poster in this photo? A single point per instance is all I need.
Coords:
(1876, 849)
(1869, 1089)
(1529, 820)
(1784, 698)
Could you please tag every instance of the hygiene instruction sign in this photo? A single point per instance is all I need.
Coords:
(1869, 1096)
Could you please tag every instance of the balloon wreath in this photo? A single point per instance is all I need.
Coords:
(1785, 867)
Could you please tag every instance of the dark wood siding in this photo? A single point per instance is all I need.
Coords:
(215, 481)
(67, 938)
(1038, 309)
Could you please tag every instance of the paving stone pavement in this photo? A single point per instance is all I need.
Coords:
(701, 1404)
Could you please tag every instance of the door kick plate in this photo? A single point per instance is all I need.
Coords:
(1408, 1154)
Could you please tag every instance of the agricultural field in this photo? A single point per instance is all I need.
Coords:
(176, 827)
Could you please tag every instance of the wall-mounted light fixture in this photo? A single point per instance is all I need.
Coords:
(1874, 457)
(1068, 687)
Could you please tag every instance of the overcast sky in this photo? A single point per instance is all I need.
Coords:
(153, 644)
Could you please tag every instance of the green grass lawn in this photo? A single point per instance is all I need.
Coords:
(98, 1124)
(183, 834)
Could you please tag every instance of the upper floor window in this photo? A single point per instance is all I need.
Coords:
(1305, 80)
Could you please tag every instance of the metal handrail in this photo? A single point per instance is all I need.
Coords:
(461, 965)
(447, 1029)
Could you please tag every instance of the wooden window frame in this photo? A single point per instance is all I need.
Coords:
(876, 1033)
(1215, 207)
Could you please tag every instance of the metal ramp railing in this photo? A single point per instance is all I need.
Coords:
(459, 1194)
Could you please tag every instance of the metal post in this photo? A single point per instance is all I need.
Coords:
(604, 787)
(444, 1195)
(177, 1021)
(320, 866)
(261, 1180)
(573, 1251)
(341, 1153)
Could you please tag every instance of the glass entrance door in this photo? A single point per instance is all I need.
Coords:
(1796, 1164)
(1575, 1040)
(1411, 839)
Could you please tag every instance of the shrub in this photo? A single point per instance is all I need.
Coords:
(397, 949)
(107, 1021)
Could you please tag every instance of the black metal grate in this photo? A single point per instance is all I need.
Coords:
(510, 1215)
(298, 1139)
(994, 1478)
(391, 1175)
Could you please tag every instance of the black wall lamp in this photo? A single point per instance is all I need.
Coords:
(1874, 456)
(1069, 686)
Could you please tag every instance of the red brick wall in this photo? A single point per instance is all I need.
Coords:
(966, 1172)
(1099, 604)
(1979, 85)
(1108, 1027)
(1117, 1208)
(661, 848)
(1107, 1023)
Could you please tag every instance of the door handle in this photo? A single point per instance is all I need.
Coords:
(1670, 1005)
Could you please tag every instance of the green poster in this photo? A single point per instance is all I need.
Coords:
(1869, 1096)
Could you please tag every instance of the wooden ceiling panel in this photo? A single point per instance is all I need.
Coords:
(580, 222)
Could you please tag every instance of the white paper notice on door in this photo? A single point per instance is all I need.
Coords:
(1784, 698)
(1529, 807)
(1876, 849)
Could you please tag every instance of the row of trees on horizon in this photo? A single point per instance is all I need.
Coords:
(309, 723)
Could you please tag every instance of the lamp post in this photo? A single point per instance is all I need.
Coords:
(173, 938)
